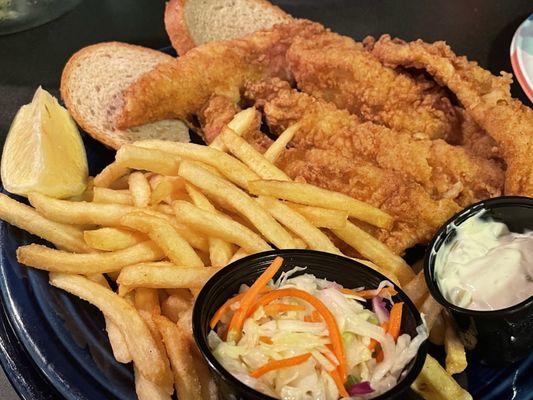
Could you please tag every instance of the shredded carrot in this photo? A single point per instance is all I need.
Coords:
(278, 308)
(328, 317)
(373, 342)
(368, 294)
(277, 364)
(395, 320)
(265, 339)
(386, 327)
(223, 310)
(379, 356)
(315, 317)
(339, 383)
(237, 321)
(226, 307)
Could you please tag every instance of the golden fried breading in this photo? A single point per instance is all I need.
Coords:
(445, 171)
(215, 115)
(420, 182)
(339, 70)
(485, 97)
(476, 140)
(181, 88)
(417, 215)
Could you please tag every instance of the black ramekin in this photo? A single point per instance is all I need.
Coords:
(351, 274)
(500, 336)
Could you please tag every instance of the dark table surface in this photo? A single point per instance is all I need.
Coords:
(480, 29)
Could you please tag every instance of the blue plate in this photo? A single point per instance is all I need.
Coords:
(54, 345)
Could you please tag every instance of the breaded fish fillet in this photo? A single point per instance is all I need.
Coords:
(181, 89)
(324, 64)
(420, 182)
(485, 97)
(339, 70)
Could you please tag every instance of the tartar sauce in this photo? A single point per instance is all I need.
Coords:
(486, 267)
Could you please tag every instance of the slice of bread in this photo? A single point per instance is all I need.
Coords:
(190, 23)
(94, 77)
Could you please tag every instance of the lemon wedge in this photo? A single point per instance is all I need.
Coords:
(43, 151)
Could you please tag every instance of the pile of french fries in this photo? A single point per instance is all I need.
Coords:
(164, 217)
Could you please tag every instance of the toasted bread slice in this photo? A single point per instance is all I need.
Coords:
(96, 75)
(190, 23)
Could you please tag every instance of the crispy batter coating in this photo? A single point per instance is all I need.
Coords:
(485, 97)
(445, 171)
(324, 64)
(420, 182)
(181, 88)
(215, 115)
(476, 140)
(340, 70)
(417, 216)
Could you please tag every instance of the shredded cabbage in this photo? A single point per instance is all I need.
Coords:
(266, 338)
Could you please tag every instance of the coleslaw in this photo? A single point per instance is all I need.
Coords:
(301, 337)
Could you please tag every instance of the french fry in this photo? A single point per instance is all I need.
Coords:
(185, 293)
(139, 189)
(165, 188)
(79, 212)
(88, 193)
(147, 390)
(321, 217)
(254, 160)
(165, 209)
(109, 175)
(115, 336)
(220, 251)
(110, 196)
(304, 193)
(195, 240)
(167, 385)
(63, 236)
(112, 239)
(154, 160)
(313, 236)
(209, 387)
(186, 379)
(431, 310)
(241, 122)
(147, 299)
(436, 335)
(164, 276)
(104, 214)
(377, 252)
(174, 305)
(208, 167)
(216, 225)
(175, 247)
(274, 151)
(416, 289)
(241, 253)
(185, 324)
(120, 183)
(455, 349)
(229, 166)
(143, 349)
(299, 243)
(433, 383)
(244, 204)
(45, 258)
